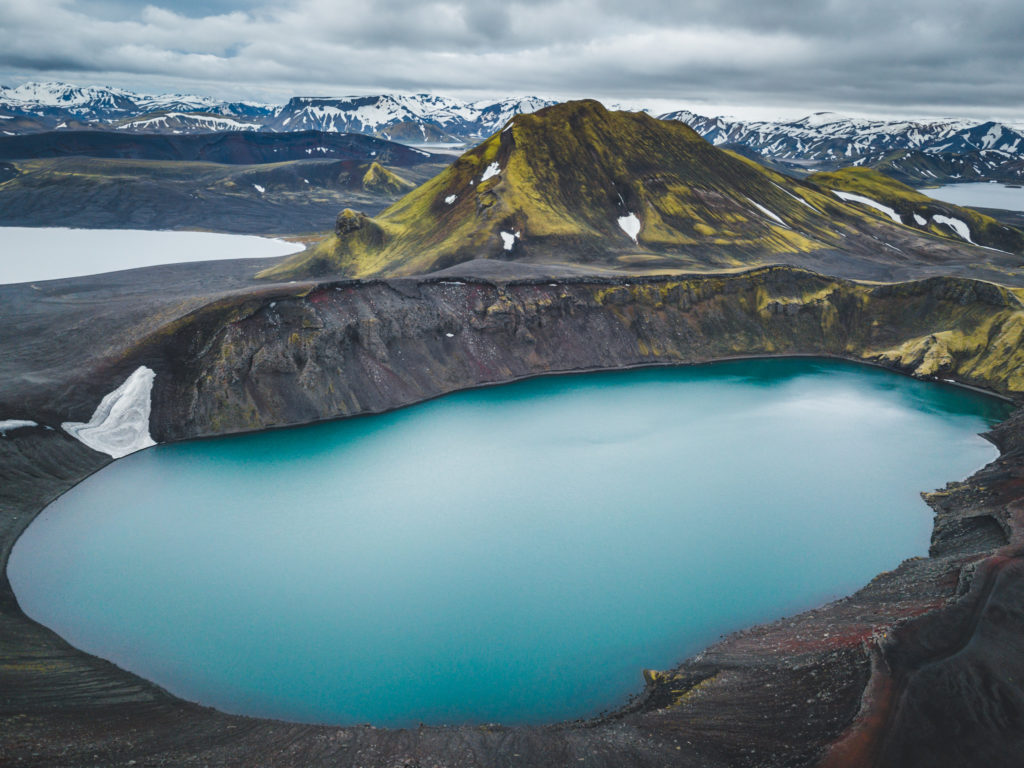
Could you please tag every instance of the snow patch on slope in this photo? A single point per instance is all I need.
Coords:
(849, 196)
(630, 225)
(9, 425)
(958, 226)
(120, 423)
(508, 239)
(492, 170)
(828, 136)
(766, 212)
(185, 120)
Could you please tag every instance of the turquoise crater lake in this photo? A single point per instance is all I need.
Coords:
(515, 554)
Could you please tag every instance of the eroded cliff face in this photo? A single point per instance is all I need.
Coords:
(340, 349)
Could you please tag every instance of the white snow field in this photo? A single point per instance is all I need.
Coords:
(30, 254)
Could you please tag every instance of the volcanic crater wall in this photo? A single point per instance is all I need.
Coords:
(341, 349)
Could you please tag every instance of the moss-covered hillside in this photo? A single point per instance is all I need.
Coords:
(578, 184)
(554, 186)
(382, 181)
(920, 211)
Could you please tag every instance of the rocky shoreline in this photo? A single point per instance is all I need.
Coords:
(921, 667)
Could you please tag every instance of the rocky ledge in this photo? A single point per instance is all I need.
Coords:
(922, 667)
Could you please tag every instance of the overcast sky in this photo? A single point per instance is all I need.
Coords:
(744, 57)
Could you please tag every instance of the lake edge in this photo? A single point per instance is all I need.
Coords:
(557, 374)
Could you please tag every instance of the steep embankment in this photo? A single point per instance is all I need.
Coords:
(346, 348)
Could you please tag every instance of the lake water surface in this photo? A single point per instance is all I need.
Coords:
(979, 195)
(50, 253)
(514, 554)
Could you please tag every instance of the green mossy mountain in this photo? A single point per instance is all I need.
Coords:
(919, 211)
(380, 180)
(562, 178)
(561, 187)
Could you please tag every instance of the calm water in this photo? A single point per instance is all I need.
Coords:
(49, 253)
(979, 195)
(514, 554)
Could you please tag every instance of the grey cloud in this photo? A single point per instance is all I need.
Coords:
(119, 10)
(854, 54)
(489, 19)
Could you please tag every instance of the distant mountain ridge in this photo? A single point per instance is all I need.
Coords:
(828, 136)
(422, 117)
(982, 149)
(35, 107)
(61, 102)
(917, 152)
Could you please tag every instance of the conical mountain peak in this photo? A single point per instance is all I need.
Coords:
(576, 183)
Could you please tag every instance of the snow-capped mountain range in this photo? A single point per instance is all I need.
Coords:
(420, 118)
(826, 136)
(88, 104)
(923, 150)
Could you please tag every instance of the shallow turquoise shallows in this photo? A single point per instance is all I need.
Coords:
(515, 554)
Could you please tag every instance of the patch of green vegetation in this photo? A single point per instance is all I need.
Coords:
(380, 180)
(990, 349)
(869, 183)
(981, 338)
(918, 211)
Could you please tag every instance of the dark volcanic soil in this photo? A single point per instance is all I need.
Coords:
(920, 668)
(94, 193)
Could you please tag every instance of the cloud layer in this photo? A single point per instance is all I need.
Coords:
(869, 55)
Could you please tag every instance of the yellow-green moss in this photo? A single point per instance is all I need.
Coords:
(566, 175)
(908, 202)
(383, 181)
(869, 183)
